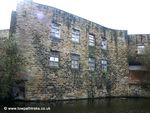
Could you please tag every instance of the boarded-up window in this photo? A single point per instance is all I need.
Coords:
(104, 44)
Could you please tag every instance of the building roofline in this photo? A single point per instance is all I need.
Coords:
(138, 34)
(82, 18)
(4, 29)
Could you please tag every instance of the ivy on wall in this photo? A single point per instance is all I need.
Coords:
(9, 66)
(92, 51)
(108, 82)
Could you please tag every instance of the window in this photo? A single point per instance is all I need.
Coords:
(148, 40)
(140, 49)
(91, 40)
(92, 64)
(104, 65)
(75, 35)
(104, 44)
(54, 58)
(75, 61)
(55, 30)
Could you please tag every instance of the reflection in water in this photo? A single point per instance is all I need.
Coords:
(85, 106)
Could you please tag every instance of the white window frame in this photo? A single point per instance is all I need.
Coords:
(54, 59)
(75, 35)
(92, 63)
(104, 65)
(91, 40)
(140, 49)
(75, 61)
(55, 30)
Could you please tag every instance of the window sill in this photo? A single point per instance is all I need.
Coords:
(75, 42)
(91, 71)
(54, 67)
(55, 39)
(75, 70)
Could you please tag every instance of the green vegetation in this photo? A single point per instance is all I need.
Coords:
(107, 81)
(92, 51)
(9, 61)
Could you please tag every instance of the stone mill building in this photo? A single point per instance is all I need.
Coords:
(68, 57)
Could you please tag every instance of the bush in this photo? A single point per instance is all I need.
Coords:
(8, 66)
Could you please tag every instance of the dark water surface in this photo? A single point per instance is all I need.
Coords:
(107, 105)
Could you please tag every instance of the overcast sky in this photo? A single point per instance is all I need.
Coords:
(131, 15)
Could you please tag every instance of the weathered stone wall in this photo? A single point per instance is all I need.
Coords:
(33, 27)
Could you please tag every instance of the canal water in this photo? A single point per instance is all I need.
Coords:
(114, 105)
